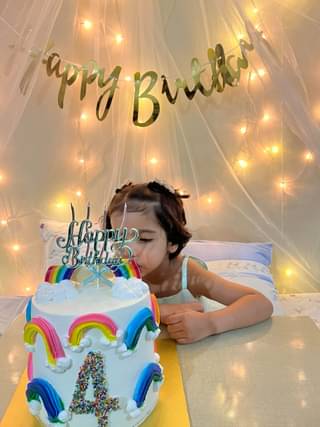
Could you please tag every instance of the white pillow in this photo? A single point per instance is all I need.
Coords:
(212, 250)
(249, 273)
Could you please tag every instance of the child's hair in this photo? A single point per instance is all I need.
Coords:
(164, 202)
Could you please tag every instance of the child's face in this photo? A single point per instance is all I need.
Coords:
(152, 250)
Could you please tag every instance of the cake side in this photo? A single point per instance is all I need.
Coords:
(97, 353)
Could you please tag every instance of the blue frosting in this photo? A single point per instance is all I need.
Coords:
(28, 310)
(151, 372)
(50, 398)
(143, 317)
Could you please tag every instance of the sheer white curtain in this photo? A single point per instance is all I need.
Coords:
(25, 28)
(194, 145)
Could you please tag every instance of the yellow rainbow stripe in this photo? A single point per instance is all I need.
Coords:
(30, 333)
(98, 321)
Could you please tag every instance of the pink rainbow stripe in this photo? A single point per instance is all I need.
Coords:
(30, 367)
(88, 321)
(47, 331)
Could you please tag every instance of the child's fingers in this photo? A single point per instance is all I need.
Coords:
(175, 318)
(176, 334)
(183, 341)
(175, 328)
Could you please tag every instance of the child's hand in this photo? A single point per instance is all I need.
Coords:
(188, 327)
(167, 310)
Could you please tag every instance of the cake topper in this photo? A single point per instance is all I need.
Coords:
(90, 246)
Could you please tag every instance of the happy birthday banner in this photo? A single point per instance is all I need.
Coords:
(225, 70)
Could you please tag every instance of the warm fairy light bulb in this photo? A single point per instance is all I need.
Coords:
(316, 111)
(84, 116)
(81, 161)
(78, 193)
(128, 78)
(1, 177)
(118, 38)
(301, 376)
(59, 204)
(243, 164)
(283, 184)
(240, 36)
(87, 25)
(253, 75)
(303, 403)
(308, 156)
(243, 130)
(288, 272)
(28, 289)
(261, 72)
(275, 149)
(181, 192)
(4, 222)
(266, 117)
(211, 200)
(255, 10)
(153, 161)
(16, 247)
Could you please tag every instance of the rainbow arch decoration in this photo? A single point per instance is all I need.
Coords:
(79, 327)
(56, 358)
(155, 308)
(28, 310)
(128, 268)
(38, 389)
(151, 373)
(143, 318)
(56, 273)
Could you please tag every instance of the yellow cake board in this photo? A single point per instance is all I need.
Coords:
(170, 410)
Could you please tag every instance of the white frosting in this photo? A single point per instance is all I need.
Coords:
(126, 289)
(56, 293)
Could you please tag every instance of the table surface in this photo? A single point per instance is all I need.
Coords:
(264, 376)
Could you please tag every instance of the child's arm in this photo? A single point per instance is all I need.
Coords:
(245, 307)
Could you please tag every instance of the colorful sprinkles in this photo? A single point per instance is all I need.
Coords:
(103, 403)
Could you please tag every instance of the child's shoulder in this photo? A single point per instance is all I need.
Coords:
(197, 272)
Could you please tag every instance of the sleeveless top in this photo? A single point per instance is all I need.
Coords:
(184, 295)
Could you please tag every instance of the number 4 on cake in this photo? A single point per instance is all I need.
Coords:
(103, 403)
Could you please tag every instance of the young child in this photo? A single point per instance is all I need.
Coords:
(158, 213)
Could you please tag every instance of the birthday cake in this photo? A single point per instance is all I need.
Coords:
(90, 334)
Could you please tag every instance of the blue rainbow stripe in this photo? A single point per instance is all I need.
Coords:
(144, 317)
(151, 372)
(28, 310)
(39, 388)
(64, 273)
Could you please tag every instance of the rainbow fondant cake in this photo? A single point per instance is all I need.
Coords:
(92, 359)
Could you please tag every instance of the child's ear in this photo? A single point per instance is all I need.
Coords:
(172, 247)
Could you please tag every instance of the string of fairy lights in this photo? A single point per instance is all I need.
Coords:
(212, 200)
